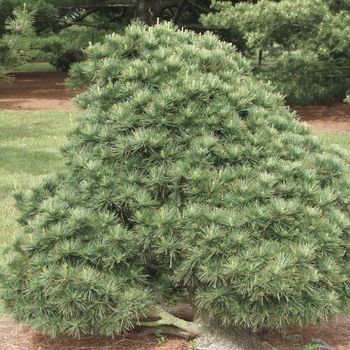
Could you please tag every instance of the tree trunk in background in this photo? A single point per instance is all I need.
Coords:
(149, 10)
(144, 11)
(260, 57)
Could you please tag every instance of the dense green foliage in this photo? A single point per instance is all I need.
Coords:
(308, 41)
(184, 176)
(15, 44)
(64, 49)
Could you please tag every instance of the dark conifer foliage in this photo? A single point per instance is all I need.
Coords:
(184, 175)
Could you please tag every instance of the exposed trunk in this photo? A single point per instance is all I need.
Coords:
(260, 57)
(149, 11)
(208, 333)
(144, 11)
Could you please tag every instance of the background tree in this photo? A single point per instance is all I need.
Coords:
(59, 24)
(15, 44)
(6, 9)
(307, 41)
(65, 48)
(184, 177)
(304, 45)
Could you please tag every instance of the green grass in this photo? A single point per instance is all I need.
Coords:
(342, 140)
(29, 150)
(35, 66)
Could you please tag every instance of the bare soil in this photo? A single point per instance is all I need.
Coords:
(33, 91)
(326, 118)
(46, 90)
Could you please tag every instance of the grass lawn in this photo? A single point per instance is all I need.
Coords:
(342, 140)
(29, 149)
(34, 66)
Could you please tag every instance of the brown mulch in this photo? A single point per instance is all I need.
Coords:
(34, 91)
(336, 333)
(46, 90)
(325, 118)
(19, 337)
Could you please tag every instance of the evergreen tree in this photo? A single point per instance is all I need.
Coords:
(184, 176)
(305, 42)
(15, 43)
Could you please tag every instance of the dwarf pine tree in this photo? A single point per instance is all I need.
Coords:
(183, 176)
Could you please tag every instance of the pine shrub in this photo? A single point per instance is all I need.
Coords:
(184, 176)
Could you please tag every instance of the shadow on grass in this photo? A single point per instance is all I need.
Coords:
(35, 162)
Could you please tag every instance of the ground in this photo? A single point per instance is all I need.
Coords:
(46, 90)
(37, 91)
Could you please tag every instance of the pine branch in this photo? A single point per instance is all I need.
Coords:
(177, 14)
(199, 7)
(197, 26)
(85, 24)
(119, 4)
